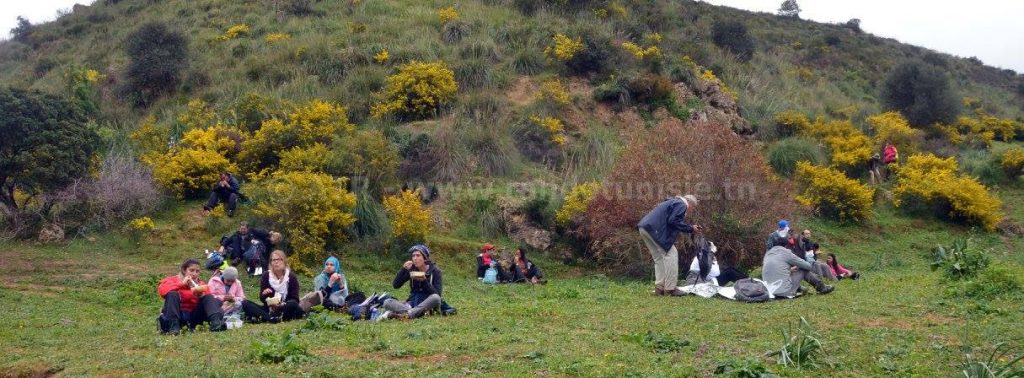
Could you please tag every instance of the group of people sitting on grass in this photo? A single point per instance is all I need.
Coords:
(190, 301)
(788, 259)
(492, 269)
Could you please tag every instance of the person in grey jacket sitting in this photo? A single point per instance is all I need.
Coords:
(783, 270)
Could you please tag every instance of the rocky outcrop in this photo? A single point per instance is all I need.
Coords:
(516, 222)
(719, 106)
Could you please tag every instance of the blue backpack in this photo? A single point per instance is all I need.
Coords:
(491, 276)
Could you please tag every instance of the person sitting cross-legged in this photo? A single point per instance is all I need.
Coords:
(425, 286)
(783, 270)
(187, 302)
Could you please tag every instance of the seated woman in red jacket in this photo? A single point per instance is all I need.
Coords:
(187, 301)
(840, 271)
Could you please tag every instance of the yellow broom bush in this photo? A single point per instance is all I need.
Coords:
(830, 193)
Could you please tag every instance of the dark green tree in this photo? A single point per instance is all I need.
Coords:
(45, 145)
(733, 37)
(789, 8)
(922, 93)
(157, 56)
(23, 31)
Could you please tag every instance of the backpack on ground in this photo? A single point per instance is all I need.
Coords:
(491, 276)
(750, 290)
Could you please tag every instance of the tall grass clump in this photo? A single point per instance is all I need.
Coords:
(784, 154)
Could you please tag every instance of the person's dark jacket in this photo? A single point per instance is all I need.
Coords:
(531, 271)
(805, 244)
(233, 186)
(666, 221)
(420, 290)
(293, 287)
(481, 268)
(236, 244)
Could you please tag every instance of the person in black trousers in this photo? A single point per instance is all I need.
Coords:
(279, 293)
(224, 191)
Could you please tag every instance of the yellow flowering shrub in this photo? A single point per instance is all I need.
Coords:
(224, 140)
(277, 37)
(314, 122)
(832, 194)
(312, 209)
(234, 31)
(803, 74)
(381, 56)
(189, 173)
(143, 224)
(929, 182)
(417, 91)
(553, 126)
(197, 114)
(552, 90)
(447, 15)
(849, 147)
(305, 158)
(150, 140)
(1012, 161)
(356, 27)
(563, 48)
(639, 52)
(792, 122)
(616, 9)
(576, 201)
(601, 13)
(410, 220)
(891, 126)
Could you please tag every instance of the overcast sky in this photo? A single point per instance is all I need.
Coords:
(992, 30)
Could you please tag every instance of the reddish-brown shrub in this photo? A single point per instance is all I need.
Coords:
(739, 197)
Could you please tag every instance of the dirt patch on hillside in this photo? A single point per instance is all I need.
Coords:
(354, 354)
(523, 91)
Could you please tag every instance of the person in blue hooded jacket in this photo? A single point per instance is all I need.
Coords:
(659, 230)
(332, 283)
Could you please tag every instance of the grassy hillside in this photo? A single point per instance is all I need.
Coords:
(523, 128)
(93, 300)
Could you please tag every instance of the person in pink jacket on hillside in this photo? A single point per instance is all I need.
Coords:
(228, 289)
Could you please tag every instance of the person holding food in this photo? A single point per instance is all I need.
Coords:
(425, 285)
(279, 292)
(187, 301)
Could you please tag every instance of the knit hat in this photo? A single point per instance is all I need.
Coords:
(783, 224)
(230, 274)
(423, 250)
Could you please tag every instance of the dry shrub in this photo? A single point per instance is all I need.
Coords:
(739, 196)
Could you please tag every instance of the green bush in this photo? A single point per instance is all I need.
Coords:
(157, 56)
(733, 37)
(996, 281)
(922, 93)
(784, 154)
(960, 260)
(595, 57)
(743, 368)
(276, 350)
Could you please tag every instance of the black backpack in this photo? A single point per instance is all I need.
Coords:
(749, 290)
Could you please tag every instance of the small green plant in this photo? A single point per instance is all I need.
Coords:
(660, 343)
(801, 347)
(1001, 363)
(743, 368)
(280, 349)
(959, 261)
(323, 321)
(996, 281)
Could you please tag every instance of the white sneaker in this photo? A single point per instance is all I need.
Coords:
(383, 316)
(259, 271)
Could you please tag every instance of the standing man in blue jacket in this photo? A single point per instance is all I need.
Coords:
(659, 230)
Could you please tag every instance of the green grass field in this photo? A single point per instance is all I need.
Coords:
(88, 308)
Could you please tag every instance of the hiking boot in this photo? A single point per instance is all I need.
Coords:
(855, 276)
(676, 293)
(449, 312)
(827, 289)
(231, 213)
(658, 292)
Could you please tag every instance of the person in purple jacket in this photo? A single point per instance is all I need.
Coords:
(659, 230)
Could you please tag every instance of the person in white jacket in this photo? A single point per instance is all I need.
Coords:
(715, 274)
